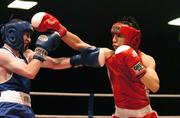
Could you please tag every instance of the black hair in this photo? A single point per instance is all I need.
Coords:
(131, 21)
(15, 20)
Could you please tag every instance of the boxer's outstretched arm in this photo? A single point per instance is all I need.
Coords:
(50, 62)
(74, 41)
(43, 22)
(56, 63)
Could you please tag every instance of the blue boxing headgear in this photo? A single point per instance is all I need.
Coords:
(13, 31)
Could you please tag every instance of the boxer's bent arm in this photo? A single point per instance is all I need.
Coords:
(150, 79)
(56, 63)
(74, 41)
(18, 66)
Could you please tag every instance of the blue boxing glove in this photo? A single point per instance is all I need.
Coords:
(45, 44)
(90, 57)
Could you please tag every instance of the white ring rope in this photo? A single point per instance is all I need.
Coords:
(99, 94)
(95, 95)
(83, 116)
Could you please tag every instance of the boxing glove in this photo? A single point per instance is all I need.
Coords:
(90, 57)
(128, 56)
(43, 22)
(151, 115)
(45, 44)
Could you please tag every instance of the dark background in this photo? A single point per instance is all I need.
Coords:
(91, 20)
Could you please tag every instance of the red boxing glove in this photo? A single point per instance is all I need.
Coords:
(43, 22)
(113, 116)
(151, 115)
(127, 55)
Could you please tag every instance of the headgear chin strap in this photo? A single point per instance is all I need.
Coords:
(132, 35)
(13, 31)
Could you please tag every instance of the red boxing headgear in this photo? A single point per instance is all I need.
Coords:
(132, 35)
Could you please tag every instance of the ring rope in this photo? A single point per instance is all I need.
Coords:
(91, 103)
(98, 94)
(85, 116)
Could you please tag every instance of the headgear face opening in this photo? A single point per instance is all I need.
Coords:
(132, 35)
(13, 31)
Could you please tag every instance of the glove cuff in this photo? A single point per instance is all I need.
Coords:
(62, 31)
(41, 51)
(39, 57)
